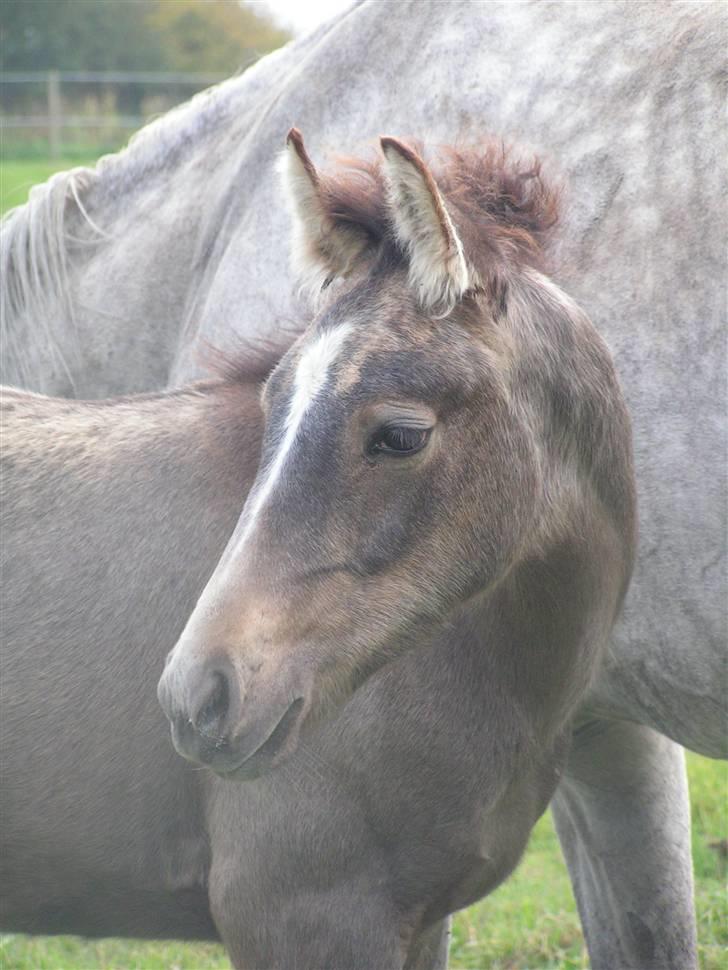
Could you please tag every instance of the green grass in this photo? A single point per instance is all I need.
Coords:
(530, 923)
(75, 147)
(17, 178)
(73, 953)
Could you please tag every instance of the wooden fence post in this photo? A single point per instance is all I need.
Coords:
(54, 113)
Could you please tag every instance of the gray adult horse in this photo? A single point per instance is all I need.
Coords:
(626, 97)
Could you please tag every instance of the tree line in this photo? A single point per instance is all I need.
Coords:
(217, 36)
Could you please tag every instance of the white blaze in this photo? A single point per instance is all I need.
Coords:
(311, 374)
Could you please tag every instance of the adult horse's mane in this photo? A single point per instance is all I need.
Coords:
(37, 239)
(503, 207)
(34, 254)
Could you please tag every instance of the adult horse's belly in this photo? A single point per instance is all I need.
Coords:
(667, 664)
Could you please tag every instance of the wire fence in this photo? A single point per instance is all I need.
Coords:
(67, 113)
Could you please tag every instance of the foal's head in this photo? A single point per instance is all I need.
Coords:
(448, 414)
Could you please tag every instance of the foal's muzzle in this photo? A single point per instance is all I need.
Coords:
(213, 725)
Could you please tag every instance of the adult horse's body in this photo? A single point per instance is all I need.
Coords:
(626, 98)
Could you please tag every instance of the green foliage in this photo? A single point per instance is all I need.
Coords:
(74, 35)
(179, 36)
(133, 35)
(218, 35)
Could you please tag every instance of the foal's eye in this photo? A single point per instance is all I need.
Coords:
(398, 440)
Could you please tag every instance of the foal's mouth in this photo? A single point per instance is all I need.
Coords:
(269, 751)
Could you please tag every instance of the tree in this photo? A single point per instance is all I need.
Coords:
(212, 35)
(133, 35)
(76, 35)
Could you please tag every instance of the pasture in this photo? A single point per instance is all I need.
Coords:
(530, 922)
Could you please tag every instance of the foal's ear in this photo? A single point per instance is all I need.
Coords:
(437, 267)
(322, 247)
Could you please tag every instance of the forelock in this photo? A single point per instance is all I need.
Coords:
(503, 207)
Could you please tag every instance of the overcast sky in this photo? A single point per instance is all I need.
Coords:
(302, 15)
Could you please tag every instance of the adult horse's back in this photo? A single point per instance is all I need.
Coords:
(626, 99)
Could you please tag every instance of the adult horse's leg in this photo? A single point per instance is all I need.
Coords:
(623, 819)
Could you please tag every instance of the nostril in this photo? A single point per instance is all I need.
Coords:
(211, 715)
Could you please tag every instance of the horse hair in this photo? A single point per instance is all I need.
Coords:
(504, 208)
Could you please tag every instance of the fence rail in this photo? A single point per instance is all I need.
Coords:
(56, 116)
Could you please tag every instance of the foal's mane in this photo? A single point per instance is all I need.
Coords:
(504, 209)
(246, 363)
(502, 206)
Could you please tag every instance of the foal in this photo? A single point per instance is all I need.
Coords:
(450, 553)
(448, 435)
(415, 800)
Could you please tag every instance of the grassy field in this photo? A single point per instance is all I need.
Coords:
(17, 178)
(530, 923)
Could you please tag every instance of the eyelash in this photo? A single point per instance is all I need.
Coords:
(398, 440)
